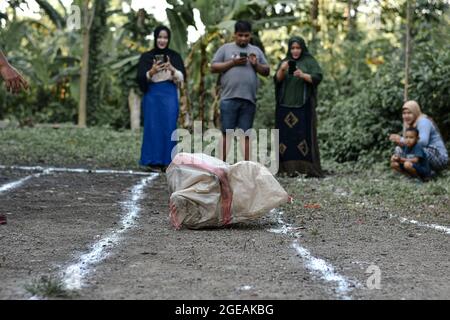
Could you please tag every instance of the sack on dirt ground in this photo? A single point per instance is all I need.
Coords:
(207, 192)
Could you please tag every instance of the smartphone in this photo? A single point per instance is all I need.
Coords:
(292, 66)
(160, 58)
(243, 54)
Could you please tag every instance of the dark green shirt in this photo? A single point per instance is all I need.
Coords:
(295, 91)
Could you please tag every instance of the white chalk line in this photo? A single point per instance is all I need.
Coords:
(16, 184)
(76, 170)
(421, 224)
(47, 170)
(317, 266)
(74, 274)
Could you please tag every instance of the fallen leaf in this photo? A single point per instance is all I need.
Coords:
(312, 206)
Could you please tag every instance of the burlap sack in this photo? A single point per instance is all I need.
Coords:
(207, 192)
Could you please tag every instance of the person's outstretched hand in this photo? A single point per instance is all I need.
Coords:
(395, 138)
(14, 81)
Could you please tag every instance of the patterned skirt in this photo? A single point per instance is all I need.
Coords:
(437, 160)
(299, 149)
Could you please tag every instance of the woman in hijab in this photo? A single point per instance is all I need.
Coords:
(429, 137)
(160, 70)
(296, 81)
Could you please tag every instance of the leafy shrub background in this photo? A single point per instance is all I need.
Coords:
(359, 100)
(359, 107)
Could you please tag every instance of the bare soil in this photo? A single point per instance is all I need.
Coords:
(55, 218)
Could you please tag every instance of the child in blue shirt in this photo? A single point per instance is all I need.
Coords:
(413, 160)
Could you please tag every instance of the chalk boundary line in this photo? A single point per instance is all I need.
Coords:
(74, 273)
(75, 170)
(422, 224)
(316, 266)
(48, 170)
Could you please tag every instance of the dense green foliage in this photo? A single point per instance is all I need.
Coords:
(359, 100)
(356, 128)
(361, 95)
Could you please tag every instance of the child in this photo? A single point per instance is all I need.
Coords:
(413, 160)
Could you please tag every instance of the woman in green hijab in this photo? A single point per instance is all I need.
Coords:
(296, 81)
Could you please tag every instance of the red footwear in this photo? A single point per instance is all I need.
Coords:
(2, 219)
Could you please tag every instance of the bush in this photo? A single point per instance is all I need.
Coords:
(355, 121)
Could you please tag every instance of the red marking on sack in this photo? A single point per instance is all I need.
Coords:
(173, 216)
(227, 195)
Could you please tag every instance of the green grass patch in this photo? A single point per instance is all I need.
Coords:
(47, 287)
(344, 189)
(71, 147)
(362, 192)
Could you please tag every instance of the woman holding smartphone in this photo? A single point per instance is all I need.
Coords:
(160, 71)
(296, 81)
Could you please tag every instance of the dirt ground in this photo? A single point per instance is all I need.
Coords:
(55, 218)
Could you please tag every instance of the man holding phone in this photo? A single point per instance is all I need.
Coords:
(238, 63)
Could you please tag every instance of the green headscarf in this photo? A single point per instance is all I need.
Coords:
(301, 42)
(292, 91)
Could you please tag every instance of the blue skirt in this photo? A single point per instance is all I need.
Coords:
(160, 111)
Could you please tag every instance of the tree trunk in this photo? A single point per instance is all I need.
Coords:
(314, 17)
(217, 104)
(84, 72)
(84, 80)
(186, 115)
(98, 31)
(349, 16)
(408, 45)
(201, 87)
(134, 103)
(214, 109)
(185, 107)
(352, 5)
